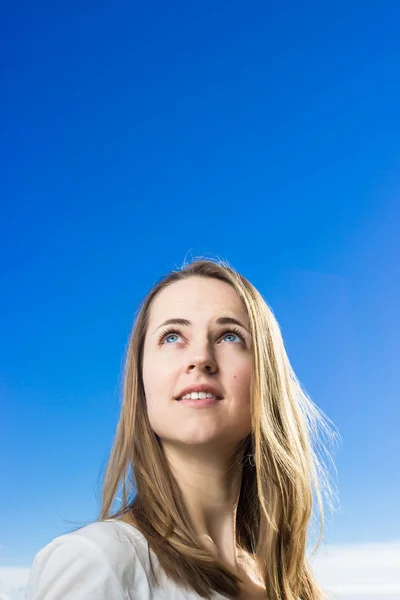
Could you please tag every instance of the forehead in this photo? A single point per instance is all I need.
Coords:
(197, 296)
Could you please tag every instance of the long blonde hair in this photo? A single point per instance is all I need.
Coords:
(283, 474)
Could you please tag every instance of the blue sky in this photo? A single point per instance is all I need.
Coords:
(138, 135)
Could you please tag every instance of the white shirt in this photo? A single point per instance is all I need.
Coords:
(106, 560)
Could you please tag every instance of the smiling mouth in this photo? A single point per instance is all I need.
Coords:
(200, 403)
(199, 396)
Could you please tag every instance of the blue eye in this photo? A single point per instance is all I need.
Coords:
(170, 336)
(235, 332)
(229, 335)
(166, 336)
(232, 335)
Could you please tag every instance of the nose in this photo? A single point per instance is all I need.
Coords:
(201, 365)
(202, 359)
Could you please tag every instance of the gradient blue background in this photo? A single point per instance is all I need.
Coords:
(136, 135)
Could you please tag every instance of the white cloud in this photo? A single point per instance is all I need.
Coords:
(359, 571)
(348, 572)
(13, 582)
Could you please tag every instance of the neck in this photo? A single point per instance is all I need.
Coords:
(210, 486)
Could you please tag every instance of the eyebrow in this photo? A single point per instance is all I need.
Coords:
(186, 323)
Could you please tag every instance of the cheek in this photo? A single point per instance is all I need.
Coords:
(240, 383)
(158, 377)
(155, 397)
(241, 374)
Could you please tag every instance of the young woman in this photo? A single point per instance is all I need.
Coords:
(214, 452)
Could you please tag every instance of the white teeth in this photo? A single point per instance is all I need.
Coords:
(198, 395)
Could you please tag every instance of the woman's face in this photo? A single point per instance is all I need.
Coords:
(199, 351)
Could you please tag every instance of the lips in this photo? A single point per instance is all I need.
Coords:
(200, 387)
